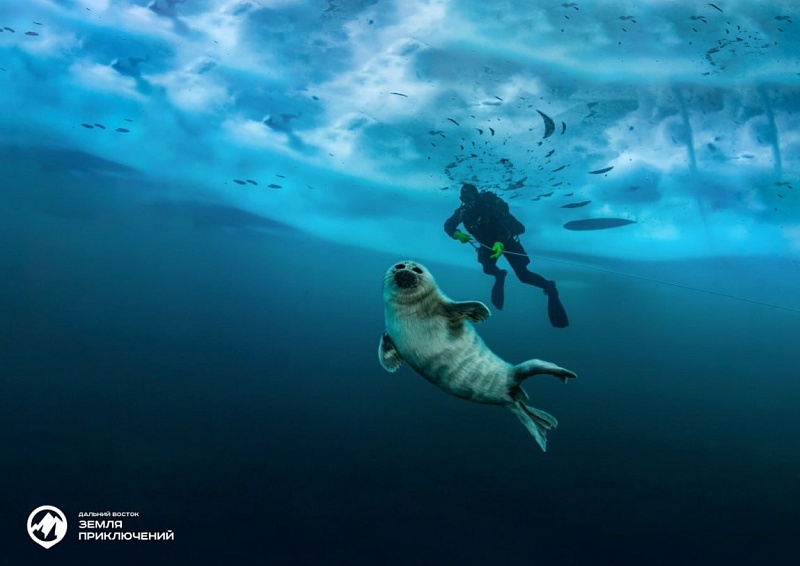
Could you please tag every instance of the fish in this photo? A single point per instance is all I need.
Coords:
(589, 224)
(517, 184)
(601, 171)
(549, 125)
(576, 204)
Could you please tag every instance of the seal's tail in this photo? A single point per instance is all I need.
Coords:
(536, 421)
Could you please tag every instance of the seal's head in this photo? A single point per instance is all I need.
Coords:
(407, 278)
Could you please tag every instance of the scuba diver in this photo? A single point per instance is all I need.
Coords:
(487, 219)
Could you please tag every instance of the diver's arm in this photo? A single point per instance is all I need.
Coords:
(451, 224)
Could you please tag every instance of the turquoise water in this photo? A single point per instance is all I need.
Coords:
(182, 340)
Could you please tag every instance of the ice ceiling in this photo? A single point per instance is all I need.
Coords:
(357, 121)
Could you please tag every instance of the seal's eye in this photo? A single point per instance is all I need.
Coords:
(416, 270)
(400, 266)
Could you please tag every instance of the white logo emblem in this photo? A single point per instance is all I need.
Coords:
(47, 525)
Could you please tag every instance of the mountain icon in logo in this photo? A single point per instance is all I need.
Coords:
(47, 526)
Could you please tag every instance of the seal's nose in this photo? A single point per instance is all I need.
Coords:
(405, 279)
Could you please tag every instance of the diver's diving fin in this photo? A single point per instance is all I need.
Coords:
(498, 290)
(555, 310)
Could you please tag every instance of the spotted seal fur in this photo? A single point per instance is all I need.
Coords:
(433, 335)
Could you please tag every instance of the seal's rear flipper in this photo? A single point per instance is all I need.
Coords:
(388, 355)
(537, 422)
(535, 367)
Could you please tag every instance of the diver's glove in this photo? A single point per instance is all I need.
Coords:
(461, 236)
(497, 248)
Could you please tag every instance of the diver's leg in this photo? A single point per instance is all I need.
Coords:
(490, 268)
(519, 263)
(518, 260)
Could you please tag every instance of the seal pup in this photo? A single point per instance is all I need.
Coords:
(433, 335)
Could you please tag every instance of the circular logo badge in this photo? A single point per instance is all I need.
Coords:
(47, 525)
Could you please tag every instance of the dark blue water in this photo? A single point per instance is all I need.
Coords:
(224, 384)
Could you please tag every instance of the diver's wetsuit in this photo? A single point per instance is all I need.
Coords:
(484, 220)
(487, 218)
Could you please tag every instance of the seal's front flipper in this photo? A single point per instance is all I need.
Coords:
(388, 355)
(537, 422)
(536, 367)
(474, 311)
